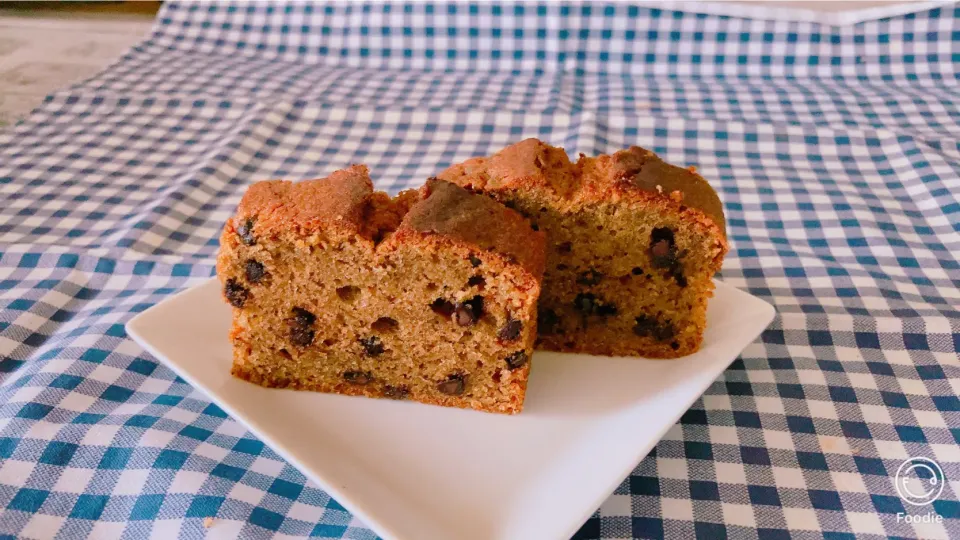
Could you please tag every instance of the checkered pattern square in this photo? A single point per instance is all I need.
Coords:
(836, 152)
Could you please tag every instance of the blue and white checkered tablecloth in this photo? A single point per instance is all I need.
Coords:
(836, 152)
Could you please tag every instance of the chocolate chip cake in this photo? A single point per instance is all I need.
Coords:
(633, 244)
(428, 296)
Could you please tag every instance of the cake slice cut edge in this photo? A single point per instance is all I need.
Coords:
(633, 245)
(428, 296)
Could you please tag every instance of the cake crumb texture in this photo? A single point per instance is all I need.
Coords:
(632, 245)
(428, 296)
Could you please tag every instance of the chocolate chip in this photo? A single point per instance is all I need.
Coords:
(453, 386)
(302, 317)
(674, 345)
(301, 331)
(590, 277)
(547, 322)
(476, 281)
(372, 346)
(396, 392)
(660, 251)
(663, 248)
(475, 261)
(245, 232)
(236, 293)
(534, 226)
(637, 270)
(301, 336)
(442, 307)
(468, 313)
(510, 331)
(606, 310)
(663, 254)
(255, 271)
(565, 247)
(585, 303)
(644, 326)
(650, 327)
(589, 304)
(517, 359)
(357, 377)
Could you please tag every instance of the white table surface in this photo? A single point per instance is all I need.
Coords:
(40, 55)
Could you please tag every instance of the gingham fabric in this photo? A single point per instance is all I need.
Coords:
(836, 152)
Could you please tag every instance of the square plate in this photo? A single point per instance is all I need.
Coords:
(422, 472)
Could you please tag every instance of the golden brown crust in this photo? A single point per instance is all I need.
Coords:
(337, 201)
(633, 173)
(345, 201)
(638, 169)
(451, 211)
(631, 176)
(528, 164)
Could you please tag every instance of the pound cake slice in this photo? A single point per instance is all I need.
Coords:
(429, 296)
(633, 244)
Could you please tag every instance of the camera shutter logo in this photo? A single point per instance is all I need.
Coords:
(919, 481)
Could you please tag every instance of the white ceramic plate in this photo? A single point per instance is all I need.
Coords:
(420, 472)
